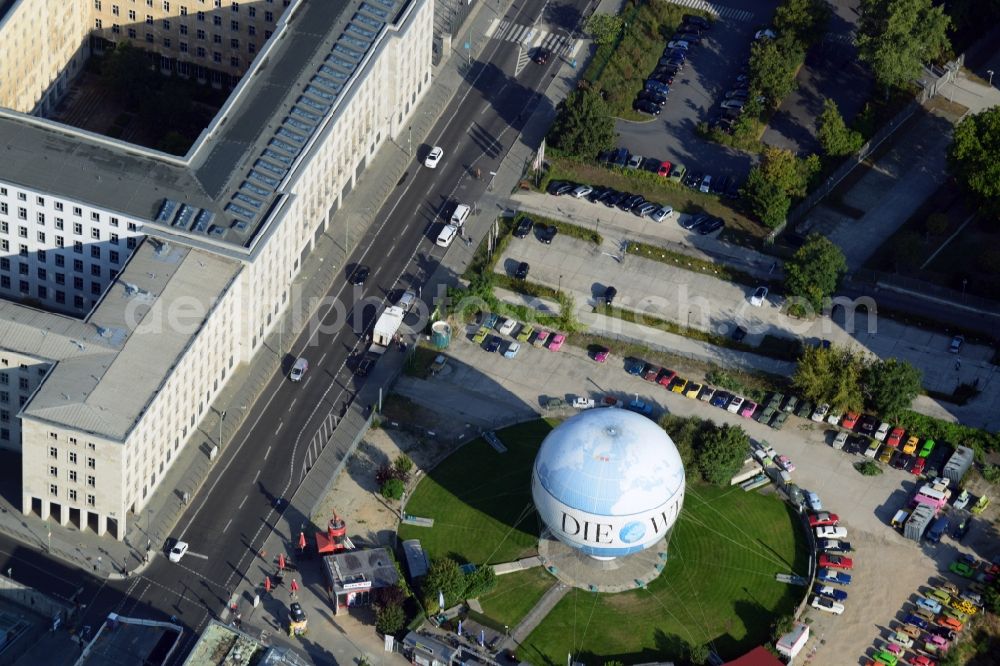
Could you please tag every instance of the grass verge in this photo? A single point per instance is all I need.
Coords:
(515, 594)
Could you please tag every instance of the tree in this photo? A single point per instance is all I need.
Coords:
(936, 224)
(699, 654)
(604, 28)
(814, 271)
(890, 386)
(805, 20)
(583, 125)
(831, 375)
(772, 70)
(393, 489)
(479, 582)
(785, 170)
(766, 200)
(389, 619)
(443, 575)
(722, 453)
(126, 71)
(403, 465)
(896, 37)
(685, 432)
(975, 155)
(835, 136)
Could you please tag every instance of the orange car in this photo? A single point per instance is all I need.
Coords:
(950, 623)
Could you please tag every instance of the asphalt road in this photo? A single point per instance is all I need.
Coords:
(227, 521)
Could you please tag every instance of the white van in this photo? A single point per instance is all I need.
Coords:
(299, 369)
(460, 215)
(447, 235)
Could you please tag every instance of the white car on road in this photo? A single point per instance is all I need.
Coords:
(433, 157)
(758, 297)
(179, 550)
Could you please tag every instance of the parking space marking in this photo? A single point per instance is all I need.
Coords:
(719, 10)
(532, 37)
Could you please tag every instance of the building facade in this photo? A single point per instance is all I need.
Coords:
(109, 238)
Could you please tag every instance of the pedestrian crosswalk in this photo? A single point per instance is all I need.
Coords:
(529, 37)
(716, 9)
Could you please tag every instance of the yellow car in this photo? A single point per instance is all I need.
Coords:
(680, 385)
(692, 390)
(886, 455)
(964, 606)
(480, 335)
(911, 445)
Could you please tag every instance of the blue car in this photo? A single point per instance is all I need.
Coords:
(634, 366)
(929, 604)
(918, 622)
(657, 87)
(721, 399)
(829, 592)
(639, 407)
(832, 576)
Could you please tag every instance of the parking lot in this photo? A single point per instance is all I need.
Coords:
(695, 94)
(888, 569)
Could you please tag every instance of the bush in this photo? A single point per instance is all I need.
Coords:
(403, 465)
(393, 489)
(929, 427)
(389, 619)
(480, 582)
(991, 473)
(868, 468)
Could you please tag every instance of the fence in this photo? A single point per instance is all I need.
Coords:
(929, 91)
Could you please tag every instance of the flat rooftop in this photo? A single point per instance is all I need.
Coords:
(356, 566)
(125, 349)
(127, 642)
(219, 644)
(227, 186)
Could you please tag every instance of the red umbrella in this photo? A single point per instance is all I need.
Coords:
(294, 586)
(281, 561)
(302, 540)
(267, 583)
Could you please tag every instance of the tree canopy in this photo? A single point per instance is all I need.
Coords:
(766, 200)
(834, 135)
(814, 272)
(583, 125)
(443, 575)
(831, 375)
(890, 385)
(770, 186)
(604, 28)
(804, 19)
(975, 155)
(772, 68)
(722, 453)
(896, 37)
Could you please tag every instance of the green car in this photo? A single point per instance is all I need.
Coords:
(790, 405)
(525, 333)
(886, 657)
(677, 173)
(961, 616)
(775, 401)
(779, 419)
(480, 335)
(928, 447)
(962, 569)
(805, 410)
(765, 415)
(940, 595)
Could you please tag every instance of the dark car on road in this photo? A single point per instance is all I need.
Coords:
(365, 366)
(541, 56)
(609, 295)
(522, 271)
(524, 227)
(547, 234)
(359, 274)
(646, 107)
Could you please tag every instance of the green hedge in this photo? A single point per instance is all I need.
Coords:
(953, 433)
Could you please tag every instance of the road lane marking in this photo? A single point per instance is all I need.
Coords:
(191, 553)
(230, 522)
(244, 501)
(280, 423)
(268, 452)
(292, 403)
(255, 477)
(322, 358)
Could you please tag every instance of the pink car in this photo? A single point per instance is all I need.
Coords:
(540, 338)
(748, 408)
(602, 354)
(556, 342)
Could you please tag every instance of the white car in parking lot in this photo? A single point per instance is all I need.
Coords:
(828, 605)
(735, 404)
(820, 413)
(433, 157)
(581, 191)
(812, 499)
(662, 213)
(758, 297)
(882, 432)
(831, 532)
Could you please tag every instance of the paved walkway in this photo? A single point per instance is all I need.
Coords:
(535, 616)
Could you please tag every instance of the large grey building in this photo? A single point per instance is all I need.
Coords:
(135, 281)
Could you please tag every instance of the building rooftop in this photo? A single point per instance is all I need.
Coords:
(221, 645)
(359, 567)
(227, 187)
(123, 641)
(121, 365)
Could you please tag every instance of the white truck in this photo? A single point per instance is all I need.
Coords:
(386, 328)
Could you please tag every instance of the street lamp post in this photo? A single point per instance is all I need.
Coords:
(989, 73)
(409, 141)
(559, 288)
(222, 419)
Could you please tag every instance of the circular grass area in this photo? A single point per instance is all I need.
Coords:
(718, 586)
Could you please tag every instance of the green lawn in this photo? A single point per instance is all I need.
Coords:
(515, 595)
(718, 587)
(480, 500)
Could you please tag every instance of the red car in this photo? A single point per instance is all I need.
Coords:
(918, 466)
(823, 519)
(835, 561)
(664, 169)
(921, 660)
(850, 420)
(895, 437)
(665, 377)
(650, 372)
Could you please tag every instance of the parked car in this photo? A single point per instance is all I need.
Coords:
(662, 213)
(609, 295)
(522, 271)
(832, 576)
(709, 225)
(790, 404)
(785, 463)
(581, 191)
(706, 394)
(666, 377)
(823, 518)
(512, 349)
(547, 234)
(895, 437)
(692, 390)
(850, 420)
(733, 104)
(634, 366)
(601, 354)
(911, 445)
(882, 432)
(835, 561)
(956, 344)
(758, 297)
(493, 343)
(720, 399)
(828, 605)
(834, 546)
(748, 408)
(706, 184)
(831, 532)
(697, 21)
(523, 227)
(646, 107)
(778, 422)
(830, 592)
(735, 404)
(840, 440)
(820, 413)
(433, 157)
(930, 604)
(678, 172)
